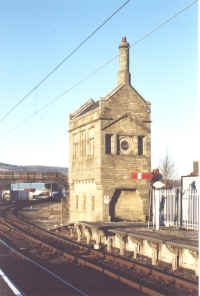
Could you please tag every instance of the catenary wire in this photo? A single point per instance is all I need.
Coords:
(55, 99)
(61, 95)
(55, 68)
(165, 22)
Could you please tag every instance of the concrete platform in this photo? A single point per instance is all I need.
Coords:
(177, 248)
(178, 237)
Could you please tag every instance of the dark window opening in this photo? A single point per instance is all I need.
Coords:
(140, 145)
(108, 143)
(118, 145)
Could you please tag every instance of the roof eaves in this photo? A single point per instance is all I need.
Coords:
(90, 104)
(113, 92)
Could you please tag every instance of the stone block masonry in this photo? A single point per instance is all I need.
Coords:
(109, 140)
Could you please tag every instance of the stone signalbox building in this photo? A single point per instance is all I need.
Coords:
(110, 140)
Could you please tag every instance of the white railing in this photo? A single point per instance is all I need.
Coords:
(177, 207)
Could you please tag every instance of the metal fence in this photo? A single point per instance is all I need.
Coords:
(178, 206)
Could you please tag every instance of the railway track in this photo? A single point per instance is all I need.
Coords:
(49, 249)
(34, 262)
(32, 278)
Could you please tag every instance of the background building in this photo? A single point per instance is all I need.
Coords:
(109, 140)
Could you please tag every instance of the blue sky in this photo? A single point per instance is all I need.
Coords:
(37, 35)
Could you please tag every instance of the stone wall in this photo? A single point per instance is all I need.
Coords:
(109, 140)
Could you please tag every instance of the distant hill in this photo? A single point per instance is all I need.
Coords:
(42, 168)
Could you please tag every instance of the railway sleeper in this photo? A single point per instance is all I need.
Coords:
(120, 263)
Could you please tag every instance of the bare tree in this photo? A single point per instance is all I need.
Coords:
(167, 169)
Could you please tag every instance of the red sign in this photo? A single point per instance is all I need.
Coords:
(140, 176)
(29, 189)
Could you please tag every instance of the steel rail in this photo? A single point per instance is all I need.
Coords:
(66, 256)
(85, 263)
(10, 284)
(68, 284)
(106, 264)
(121, 261)
(154, 270)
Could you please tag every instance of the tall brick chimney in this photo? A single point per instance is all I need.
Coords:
(123, 75)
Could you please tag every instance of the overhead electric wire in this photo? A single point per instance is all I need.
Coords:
(105, 64)
(165, 22)
(61, 95)
(55, 68)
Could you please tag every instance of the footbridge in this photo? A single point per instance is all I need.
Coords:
(12, 177)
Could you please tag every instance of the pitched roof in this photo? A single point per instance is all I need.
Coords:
(88, 106)
(91, 104)
(113, 92)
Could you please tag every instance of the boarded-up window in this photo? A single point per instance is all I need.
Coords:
(108, 143)
(91, 143)
(83, 144)
(93, 203)
(76, 201)
(75, 146)
(140, 145)
(84, 202)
